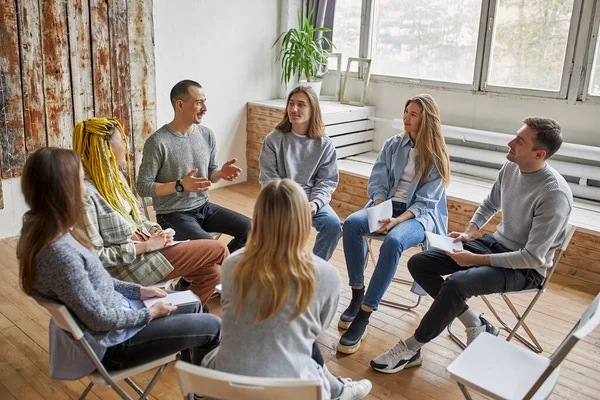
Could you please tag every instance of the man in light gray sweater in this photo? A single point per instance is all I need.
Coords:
(536, 203)
(178, 167)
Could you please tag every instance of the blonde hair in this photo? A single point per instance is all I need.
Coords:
(316, 128)
(275, 260)
(90, 141)
(430, 139)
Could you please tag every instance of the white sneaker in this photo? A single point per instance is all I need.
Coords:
(397, 359)
(485, 326)
(354, 390)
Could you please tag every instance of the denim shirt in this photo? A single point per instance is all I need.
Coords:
(426, 201)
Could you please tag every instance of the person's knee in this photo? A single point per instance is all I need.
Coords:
(353, 224)
(331, 225)
(455, 284)
(416, 263)
(245, 224)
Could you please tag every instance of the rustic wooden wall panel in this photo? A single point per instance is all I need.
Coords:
(32, 75)
(101, 58)
(260, 122)
(142, 72)
(12, 135)
(57, 74)
(119, 66)
(78, 16)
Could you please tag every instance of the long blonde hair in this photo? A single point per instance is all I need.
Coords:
(316, 128)
(90, 141)
(275, 259)
(430, 139)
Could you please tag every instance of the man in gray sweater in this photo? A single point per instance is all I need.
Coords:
(536, 203)
(178, 167)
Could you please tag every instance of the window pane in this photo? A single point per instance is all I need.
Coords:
(529, 43)
(595, 79)
(346, 30)
(426, 39)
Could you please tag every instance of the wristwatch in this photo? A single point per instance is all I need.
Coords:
(178, 186)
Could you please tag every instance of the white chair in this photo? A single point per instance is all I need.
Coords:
(503, 370)
(63, 318)
(224, 386)
(415, 288)
(532, 342)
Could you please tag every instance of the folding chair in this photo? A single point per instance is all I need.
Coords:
(63, 318)
(415, 288)
(532, 342)
(502, 370)
(224, 386)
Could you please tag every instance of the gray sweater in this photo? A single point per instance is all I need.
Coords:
(70, 274)
(276, 347)
(169, 156)
(535, 213)
(311, 163)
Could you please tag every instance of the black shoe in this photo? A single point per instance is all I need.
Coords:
(350, 340)
(182, 285)
(348, 315)
(205, 309)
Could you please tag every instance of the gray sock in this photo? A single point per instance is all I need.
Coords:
(413, 344)
(469, 319)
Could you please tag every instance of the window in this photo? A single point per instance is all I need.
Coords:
(346, 30)
(542, 48)
(428, 39)
(594, 88)
(529, 43)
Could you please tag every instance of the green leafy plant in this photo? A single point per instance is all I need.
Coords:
(301, 53)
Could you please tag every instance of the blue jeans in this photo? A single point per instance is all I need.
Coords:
(403, 236)
(329, 226)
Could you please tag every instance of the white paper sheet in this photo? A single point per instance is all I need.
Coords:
(175, 298)
(435, 241)
(377, 213)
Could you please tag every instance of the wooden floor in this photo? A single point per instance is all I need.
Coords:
(24, 340)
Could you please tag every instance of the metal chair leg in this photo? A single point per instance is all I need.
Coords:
(153, 381)
(532, 343)
(86, 391)
(389, 303)
(464, 391)
(455, 338)
(134, 386)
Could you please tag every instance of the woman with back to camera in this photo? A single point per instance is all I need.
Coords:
(277, 298)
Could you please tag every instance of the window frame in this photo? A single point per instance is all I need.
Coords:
(576, 72)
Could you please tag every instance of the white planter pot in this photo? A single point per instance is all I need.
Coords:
(315, 85)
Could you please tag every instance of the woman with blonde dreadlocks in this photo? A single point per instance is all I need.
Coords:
(131, 247)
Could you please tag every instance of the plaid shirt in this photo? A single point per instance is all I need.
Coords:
(110, 235)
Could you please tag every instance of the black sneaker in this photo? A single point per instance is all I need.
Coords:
(485, 326)
(350, 340)
(350, 313)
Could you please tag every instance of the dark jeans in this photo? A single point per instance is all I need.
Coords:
(450, 295)
(317, 355)
(209, 217)
(185, 330)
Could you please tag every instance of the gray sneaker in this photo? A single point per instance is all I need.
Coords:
(397, 359)
(485, 326)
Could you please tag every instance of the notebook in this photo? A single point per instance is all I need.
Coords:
(377, 213)
(435, 241)
(175, 298)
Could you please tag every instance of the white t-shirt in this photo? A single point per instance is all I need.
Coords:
(407, 177)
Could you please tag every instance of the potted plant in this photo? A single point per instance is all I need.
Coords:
(303, 51)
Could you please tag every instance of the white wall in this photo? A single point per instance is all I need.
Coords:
(500, 113)
(14, 208)
(226, 47)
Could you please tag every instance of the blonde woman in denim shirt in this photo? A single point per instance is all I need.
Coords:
(412, 170)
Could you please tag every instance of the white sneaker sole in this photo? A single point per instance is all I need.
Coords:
(400, 368)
